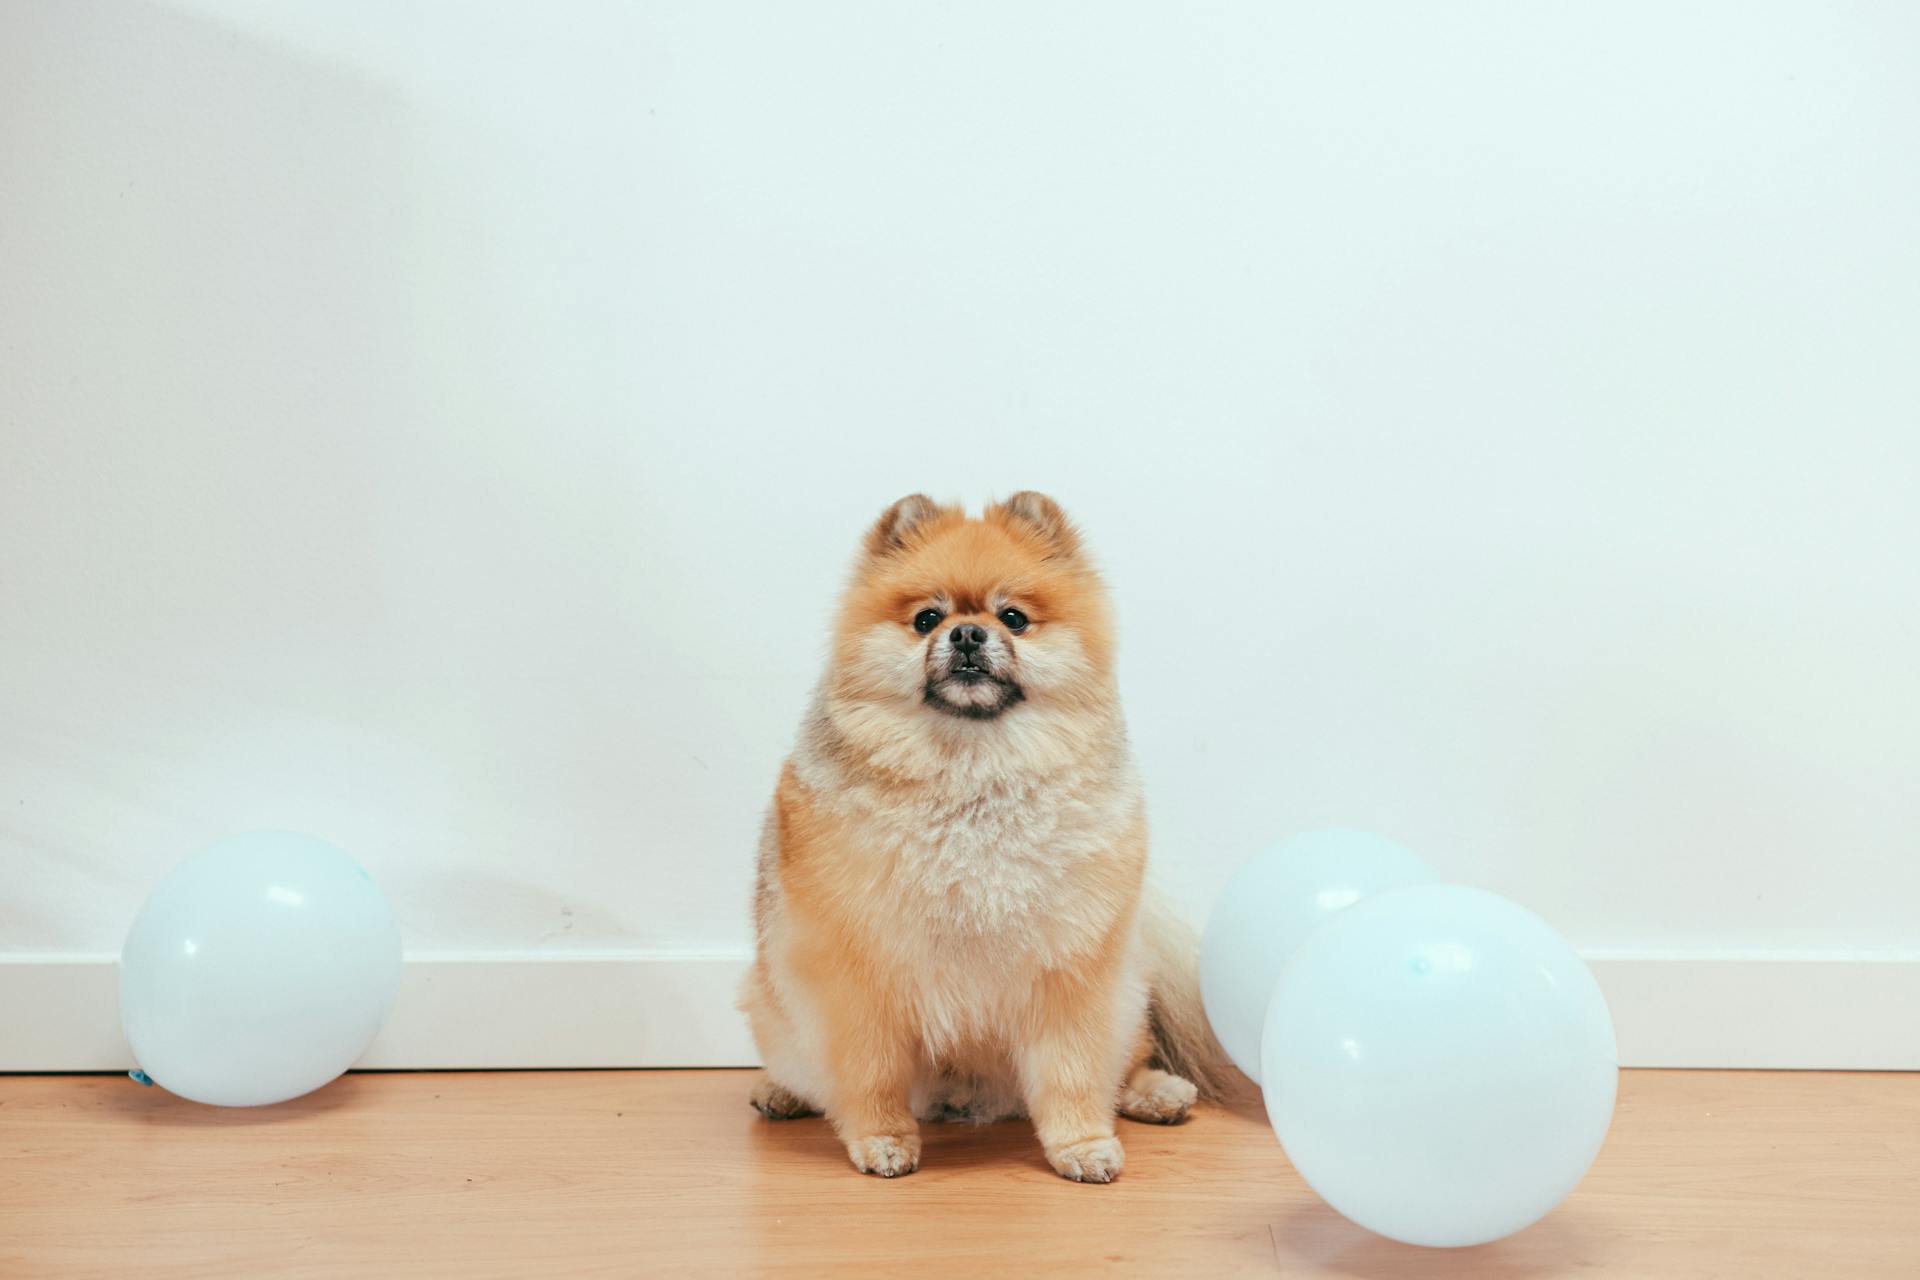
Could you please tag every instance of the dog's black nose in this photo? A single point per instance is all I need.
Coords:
(968, 637)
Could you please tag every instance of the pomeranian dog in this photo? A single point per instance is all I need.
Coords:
(950, 914)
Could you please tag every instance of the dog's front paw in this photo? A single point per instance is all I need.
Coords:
(886, 1154)
(1094, 1160)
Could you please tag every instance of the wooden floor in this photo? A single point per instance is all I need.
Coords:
(643, 1173)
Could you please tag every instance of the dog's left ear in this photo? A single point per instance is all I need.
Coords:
(1037, 513)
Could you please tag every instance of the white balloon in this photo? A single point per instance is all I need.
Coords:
(1440, 1065)
(1269, 907)
(258, 970)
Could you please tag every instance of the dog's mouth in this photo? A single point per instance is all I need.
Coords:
(972, 691)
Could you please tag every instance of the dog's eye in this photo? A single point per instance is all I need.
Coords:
(1016, 621)
(926, 620)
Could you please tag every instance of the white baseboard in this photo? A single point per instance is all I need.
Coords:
(1790, 1009)
(1846, 1010)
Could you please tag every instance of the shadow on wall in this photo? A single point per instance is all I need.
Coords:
(320, 542)
(204, 232)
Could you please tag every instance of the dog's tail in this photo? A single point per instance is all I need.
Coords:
(1183, 1040)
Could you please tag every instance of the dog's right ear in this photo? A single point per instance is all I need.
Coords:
(896, 524)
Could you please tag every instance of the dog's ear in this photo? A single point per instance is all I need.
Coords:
(897, 523)
(1037, 513)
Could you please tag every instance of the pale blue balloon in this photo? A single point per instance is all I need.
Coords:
(1439, 1065)
(258, 970)
(1269, 907)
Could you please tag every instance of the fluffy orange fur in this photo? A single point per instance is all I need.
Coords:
(949, 910)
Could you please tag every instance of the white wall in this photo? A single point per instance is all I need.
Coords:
(441, 428)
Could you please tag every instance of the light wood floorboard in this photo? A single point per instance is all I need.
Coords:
(636, 1173)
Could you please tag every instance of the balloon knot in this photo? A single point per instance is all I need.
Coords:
(142, 1077)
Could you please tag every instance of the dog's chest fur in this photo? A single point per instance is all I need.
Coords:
(993, 865)
(986, 876)
(971, 874)
(983, 893)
